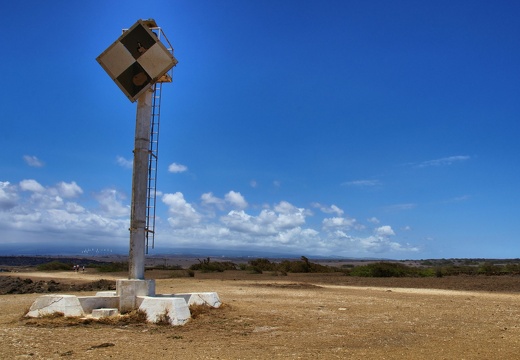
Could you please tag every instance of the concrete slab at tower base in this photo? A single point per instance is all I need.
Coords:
(170, 309)
(210, 299)
(68, 305)
(130, 295)
(129, 290)
(104, 312)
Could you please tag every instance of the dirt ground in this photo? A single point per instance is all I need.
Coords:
(288, 317)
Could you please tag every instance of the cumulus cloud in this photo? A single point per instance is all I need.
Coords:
(236, 199)
(125, 163)
(8, 196)
(43, 214)
(232, 199)
(49, 213)
(181, 212)
(177, 168)
(338, 222)
(363, 245)
(282, 218)
(111, 203)
(32, 186)
(33, 161)
(384, 230)
(69, 190)
(210, 199)
(333, 209)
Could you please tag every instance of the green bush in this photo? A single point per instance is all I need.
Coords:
(262, 264)
(303, 266)
(385, 269)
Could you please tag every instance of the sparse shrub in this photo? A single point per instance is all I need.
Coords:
(164, 267)
(384, 269)
(164, 319)
(488, 269)
(263, 264)
(303, 266)
(207, 265)
(111, 267)
(181, 274)
(54, 265)
(255, 270)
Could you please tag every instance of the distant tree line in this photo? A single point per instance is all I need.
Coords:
(426, 268)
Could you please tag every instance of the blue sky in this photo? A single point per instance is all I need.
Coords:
(350, 128)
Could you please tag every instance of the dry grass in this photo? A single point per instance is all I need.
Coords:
(297, 316)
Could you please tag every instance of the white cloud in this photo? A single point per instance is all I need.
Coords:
(338, 222)
(8, 196)
(125, 163)
(269, 222)
(181, 213)
(210, 199)
(450, 160)
(111, 203)
(333, 209)
(33, 161)
(364, 245)
(32, 186)
(373, 220)
(47, 214)
(253, 183)
(384, 230)
(177, 168)
(236, 199)
(362, 183)
(69, 190)
(43, 216)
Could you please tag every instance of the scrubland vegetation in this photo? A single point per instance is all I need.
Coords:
(423, 268)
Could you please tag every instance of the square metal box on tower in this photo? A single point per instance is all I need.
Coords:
(137, 60)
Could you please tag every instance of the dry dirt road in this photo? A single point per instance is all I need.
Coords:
(292, 317)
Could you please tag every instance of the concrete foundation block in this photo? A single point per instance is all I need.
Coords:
(90, 303)
(157, 309)
(129, 290)
(104, 312)
(210, 299)
(69, 305)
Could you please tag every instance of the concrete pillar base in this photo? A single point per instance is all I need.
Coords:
(104, 312)
(68, 305)
(129, 290)
(173, 310)
(130, 295)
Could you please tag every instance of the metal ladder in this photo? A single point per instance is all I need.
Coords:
(152, 166)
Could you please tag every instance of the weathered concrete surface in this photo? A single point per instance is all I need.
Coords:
(171, 309)
(210, 299)
(90, 303)
(104, 312)
(129, 295)
(129, 290)
(69, 305)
